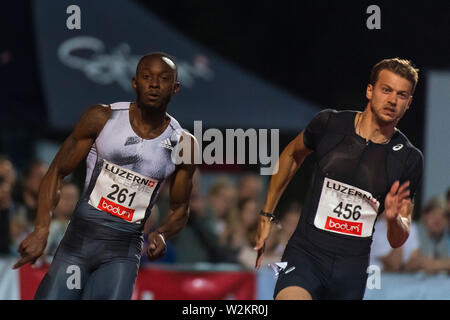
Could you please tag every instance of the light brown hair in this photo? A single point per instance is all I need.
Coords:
(401, 67)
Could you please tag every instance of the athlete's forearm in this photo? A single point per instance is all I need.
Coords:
(175, 222)
(48, 198)
(398, 231)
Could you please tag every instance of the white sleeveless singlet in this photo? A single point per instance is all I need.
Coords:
(124, 172)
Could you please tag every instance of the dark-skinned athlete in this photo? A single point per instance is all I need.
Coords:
(128, 148)
(363, 165)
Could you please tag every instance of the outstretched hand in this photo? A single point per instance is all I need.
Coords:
(397, 200)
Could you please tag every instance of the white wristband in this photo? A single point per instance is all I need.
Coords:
(162, 238)
(405, 220)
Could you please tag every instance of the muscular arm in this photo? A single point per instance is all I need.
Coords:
(290, 161)
(74, 149)
(180, 192)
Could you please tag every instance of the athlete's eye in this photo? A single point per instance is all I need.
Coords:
(385, 90)
(403, 96)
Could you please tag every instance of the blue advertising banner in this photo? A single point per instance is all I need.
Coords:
(95, 64)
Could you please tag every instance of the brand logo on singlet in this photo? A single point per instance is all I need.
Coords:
(397, 147)
(166, 144)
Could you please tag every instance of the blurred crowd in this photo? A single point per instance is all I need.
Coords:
(222, 224)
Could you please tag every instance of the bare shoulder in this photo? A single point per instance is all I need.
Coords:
(92, 120)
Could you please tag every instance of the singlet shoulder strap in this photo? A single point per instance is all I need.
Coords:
(120, 106)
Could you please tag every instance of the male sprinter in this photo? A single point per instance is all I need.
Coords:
(363, 165)
(127, 147)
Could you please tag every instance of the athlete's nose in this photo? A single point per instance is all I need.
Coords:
(153, 83)
(392, 99)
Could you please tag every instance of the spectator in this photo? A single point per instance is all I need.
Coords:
(242, 224)
(240, 231)
(26, 197)
(221, 201)
(61, 216)
(250, 186)
(198, 241)
(394, 260)
(433, 238)
(7, 181)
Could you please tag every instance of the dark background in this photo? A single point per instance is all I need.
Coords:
(319, 50)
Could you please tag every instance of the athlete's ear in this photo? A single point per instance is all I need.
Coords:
(369, 91)
(409, 102)
(133, 83)
(176, 87)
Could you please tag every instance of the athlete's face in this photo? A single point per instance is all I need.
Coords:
(155, 82)
(390, 97)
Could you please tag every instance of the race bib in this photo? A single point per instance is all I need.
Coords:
(122, 192)
(346, 209)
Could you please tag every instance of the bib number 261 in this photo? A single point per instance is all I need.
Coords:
(121, 195)
(348, 211)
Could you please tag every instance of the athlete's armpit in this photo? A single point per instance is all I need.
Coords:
(300, 150)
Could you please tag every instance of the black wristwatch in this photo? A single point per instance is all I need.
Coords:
(269, 215)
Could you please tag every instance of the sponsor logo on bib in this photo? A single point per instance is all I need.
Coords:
(116, 209)
(333, 224)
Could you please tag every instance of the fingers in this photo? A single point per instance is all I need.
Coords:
(156, 248)
(400, 191)
(394, 187)
(22, 261)
(259, 256)
(403, 189)
(259, 243)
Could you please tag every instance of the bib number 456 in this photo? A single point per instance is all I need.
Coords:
(348, 211)
(122, 195)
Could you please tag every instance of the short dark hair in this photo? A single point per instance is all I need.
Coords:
(161, 54)
(401, 67)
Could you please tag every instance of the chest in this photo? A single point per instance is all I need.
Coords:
(352, 161)
(118, 144)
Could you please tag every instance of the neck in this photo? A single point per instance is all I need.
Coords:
(371, 128)
(151, 117)
(148, 123)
